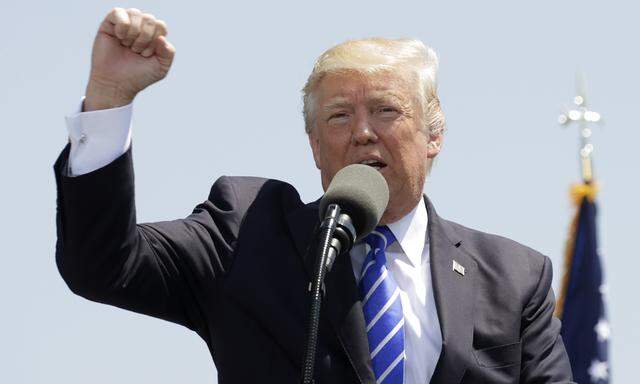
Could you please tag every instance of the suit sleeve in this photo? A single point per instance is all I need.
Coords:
(544, 358)
(162, 269)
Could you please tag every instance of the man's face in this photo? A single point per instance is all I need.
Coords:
(375, 120)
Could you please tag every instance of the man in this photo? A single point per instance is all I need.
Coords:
(460, 306)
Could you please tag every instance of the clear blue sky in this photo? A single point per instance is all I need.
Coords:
(231, 105)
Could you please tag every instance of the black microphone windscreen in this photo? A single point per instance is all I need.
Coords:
(362, 193)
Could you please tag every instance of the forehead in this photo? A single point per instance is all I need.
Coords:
(352, 86)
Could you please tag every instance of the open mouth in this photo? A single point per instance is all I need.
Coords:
(374, 163)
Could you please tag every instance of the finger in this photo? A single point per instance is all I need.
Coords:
(161, 30)
(147, 33)
(134, 28)
(108, 28)
(164, 50)
(116, 23)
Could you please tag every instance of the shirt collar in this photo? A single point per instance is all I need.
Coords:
(411, 232)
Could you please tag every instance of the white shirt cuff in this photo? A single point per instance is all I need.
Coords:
(97, 137)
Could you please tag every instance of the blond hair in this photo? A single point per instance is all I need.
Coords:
(406, 56)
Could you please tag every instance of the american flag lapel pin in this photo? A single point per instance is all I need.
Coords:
(458, 268)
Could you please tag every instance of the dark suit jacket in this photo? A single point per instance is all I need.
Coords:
(236, 272)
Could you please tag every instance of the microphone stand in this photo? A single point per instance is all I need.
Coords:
(335, 230)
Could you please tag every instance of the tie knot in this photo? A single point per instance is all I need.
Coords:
(381, 237)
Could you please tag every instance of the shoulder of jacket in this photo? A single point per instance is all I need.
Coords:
(243, 191)
(251, 185)
(492, 248)
(521, 268)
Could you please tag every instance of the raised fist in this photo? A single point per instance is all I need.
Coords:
(130, 53)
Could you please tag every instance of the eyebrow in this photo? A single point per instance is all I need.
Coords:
(337, 102)
(377, 96)
(386, 95)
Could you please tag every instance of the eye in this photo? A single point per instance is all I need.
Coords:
(338, 116)
(387, 109)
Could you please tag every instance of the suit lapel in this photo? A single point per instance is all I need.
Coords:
(341, 304)
(454, 296)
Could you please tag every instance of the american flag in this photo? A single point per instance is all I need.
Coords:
(581, 305)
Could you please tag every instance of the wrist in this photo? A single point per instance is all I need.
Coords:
(104, 95)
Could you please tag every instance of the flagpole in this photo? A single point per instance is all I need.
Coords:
(581, 304)
(578, 115)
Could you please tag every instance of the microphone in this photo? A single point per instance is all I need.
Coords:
(356, 199)
(349, 210)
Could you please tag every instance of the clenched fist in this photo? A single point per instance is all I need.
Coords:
(130, 53)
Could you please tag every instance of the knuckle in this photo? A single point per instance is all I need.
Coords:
(148, 26)
(148, 18)
(135, 18)
(133, 11)
(162, 26)
(134, 28)
(123, 21)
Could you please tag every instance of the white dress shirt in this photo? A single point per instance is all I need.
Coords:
(99, 137)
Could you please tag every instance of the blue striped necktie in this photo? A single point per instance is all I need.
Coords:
(382, 309)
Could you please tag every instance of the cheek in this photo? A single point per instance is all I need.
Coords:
(409, 153)
(332, 154)
(334, 142)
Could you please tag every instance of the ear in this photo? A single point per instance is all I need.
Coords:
(314, 142)
(434, 145)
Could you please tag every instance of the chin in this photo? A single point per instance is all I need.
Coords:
(388, 176)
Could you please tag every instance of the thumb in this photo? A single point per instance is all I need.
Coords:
(164, 51)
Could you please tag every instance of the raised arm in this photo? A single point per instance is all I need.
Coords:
(167, 269)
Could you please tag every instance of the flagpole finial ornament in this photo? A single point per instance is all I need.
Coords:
(579, 114)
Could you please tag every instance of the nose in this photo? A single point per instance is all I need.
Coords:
(362, 132)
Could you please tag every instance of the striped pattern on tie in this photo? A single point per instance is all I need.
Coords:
(382, 309)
